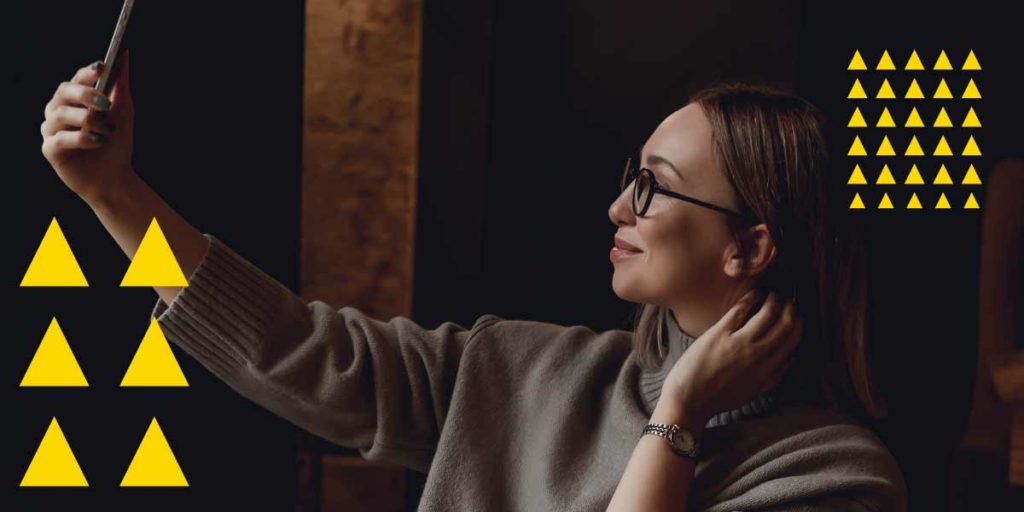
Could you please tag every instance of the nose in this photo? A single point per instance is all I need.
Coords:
(621, 210)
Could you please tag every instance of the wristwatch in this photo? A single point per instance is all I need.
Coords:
(681, 441)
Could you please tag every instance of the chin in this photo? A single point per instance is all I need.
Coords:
(627, 289)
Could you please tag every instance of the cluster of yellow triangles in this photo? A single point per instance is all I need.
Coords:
(54, 264)
(885, 177)
(914, 120)
(942, 63)
(54, 463)
(885, 148)
(914, 92)
(914, 203)
(54, 363)
(888, 119)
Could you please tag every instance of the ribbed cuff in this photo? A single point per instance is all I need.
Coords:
(224, 313)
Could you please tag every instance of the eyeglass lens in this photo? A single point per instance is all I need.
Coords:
(642, 189)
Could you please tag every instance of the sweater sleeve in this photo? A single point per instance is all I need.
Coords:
(382, 387)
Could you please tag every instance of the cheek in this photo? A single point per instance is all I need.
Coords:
(678, 248)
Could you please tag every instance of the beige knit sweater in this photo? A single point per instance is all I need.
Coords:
(507, 414)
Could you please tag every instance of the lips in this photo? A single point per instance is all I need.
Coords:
(625, 246)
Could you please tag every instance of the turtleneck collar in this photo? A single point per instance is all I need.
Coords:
(678, 341)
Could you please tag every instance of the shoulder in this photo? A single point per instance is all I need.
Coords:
(800, 454)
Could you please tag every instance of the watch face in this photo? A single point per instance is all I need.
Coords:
(683, 441)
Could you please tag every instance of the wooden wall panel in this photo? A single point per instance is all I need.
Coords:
(361, 107)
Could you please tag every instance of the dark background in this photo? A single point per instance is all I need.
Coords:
(528, 110)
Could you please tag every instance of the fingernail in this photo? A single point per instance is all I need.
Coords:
(96, 65)
(101, 115)
(109, 126)
(97, 137)
(101, 102)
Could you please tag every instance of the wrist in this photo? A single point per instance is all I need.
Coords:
(117, 193)
(669, 411)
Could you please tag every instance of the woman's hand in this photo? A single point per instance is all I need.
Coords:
(731, 362)
(77, 112)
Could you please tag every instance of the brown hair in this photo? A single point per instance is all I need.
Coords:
(771, 146)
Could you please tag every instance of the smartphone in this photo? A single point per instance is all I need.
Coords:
(110, 61)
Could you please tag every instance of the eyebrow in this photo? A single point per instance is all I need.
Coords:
(657, 159)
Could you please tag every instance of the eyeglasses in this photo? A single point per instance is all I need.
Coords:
(647, 186)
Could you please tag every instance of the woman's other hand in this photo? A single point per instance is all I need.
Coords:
(732, 362)
(87, 138)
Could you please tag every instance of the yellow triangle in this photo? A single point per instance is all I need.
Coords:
(154, 263)
(914, 63)
(942, 64)
(914, 178)
(914, 92)
(885, 63)
(54, 363)
(971, 148)
(857, 148)
(971, 63)
(857, 62)
(943, 203)
(914, 148)
(857, 177)
(856, 204)
(971, 178)
(942, 91)
(857, 91)
(154, 363)
(914, 203)
(54, 264)
(942, 148)
(942, 178)
(154, 464)
(857, 120)
(885, 177)
(885, 203)
(54, 464)
(971, 119)
(885, 92)
(914, 120)
(972, 203)
(885, 120)
(885, 148)
(942, 120)
(971, 92)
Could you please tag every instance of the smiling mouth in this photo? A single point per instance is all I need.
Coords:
(618, 253)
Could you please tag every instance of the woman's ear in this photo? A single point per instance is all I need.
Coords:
(754, 257)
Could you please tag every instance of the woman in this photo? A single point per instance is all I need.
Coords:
(699, 408)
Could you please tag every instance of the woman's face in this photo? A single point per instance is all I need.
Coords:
(684, 247)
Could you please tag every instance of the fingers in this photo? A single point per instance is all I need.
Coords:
(88, 75)
(783, 324)
(782, 348)
(71, 93)
(762, 320)
(733, 318)
(67, 117)
(67, 139)
(79, 92)
(77, 106)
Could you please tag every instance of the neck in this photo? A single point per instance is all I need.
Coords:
(675, 342)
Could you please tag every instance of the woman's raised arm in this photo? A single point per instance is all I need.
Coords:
(383, 387)
(88, 139)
